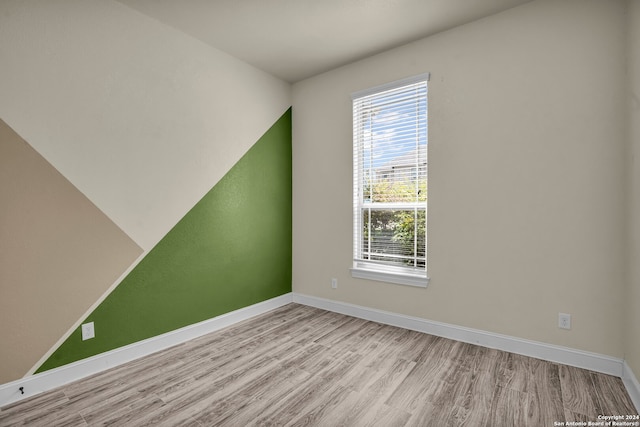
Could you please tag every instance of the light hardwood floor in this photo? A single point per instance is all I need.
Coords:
(299, 365)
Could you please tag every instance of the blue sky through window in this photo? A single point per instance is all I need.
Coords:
(394, 127)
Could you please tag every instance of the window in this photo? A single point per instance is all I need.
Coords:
(390, 182)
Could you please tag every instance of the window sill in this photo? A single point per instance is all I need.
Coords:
(385, 276)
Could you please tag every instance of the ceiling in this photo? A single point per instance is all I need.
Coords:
(296, 39)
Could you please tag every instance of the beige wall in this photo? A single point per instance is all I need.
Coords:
(58, 255)
(632, 320)
(526, 175)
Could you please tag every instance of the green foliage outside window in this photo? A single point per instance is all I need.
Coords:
(393, 231)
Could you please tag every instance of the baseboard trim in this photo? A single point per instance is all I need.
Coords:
(48, 380)
(553, 353)
(631, 383)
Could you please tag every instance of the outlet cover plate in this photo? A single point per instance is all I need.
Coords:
(88, 331)
(564, 321)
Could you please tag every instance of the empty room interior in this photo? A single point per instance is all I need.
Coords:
(190, 229)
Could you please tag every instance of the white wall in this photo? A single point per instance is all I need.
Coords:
(143, 119)
(526, 175)
(632, 319)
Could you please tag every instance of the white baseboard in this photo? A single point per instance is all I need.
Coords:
(48, 380)
(553, 353)
(631, 383)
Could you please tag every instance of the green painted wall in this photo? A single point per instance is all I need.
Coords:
(233, 249)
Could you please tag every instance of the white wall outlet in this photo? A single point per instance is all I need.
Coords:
(88, 331)
(564, 321)
(334, 283)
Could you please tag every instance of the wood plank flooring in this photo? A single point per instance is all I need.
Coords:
(301, 366)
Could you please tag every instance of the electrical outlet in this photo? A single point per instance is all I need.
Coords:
(88, 331)
(564, 321)
(334, 283)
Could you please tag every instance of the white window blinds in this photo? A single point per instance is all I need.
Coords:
(390, 178)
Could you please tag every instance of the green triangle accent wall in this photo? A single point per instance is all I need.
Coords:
(231, 250)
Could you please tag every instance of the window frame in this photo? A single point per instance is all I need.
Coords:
(364, 269)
